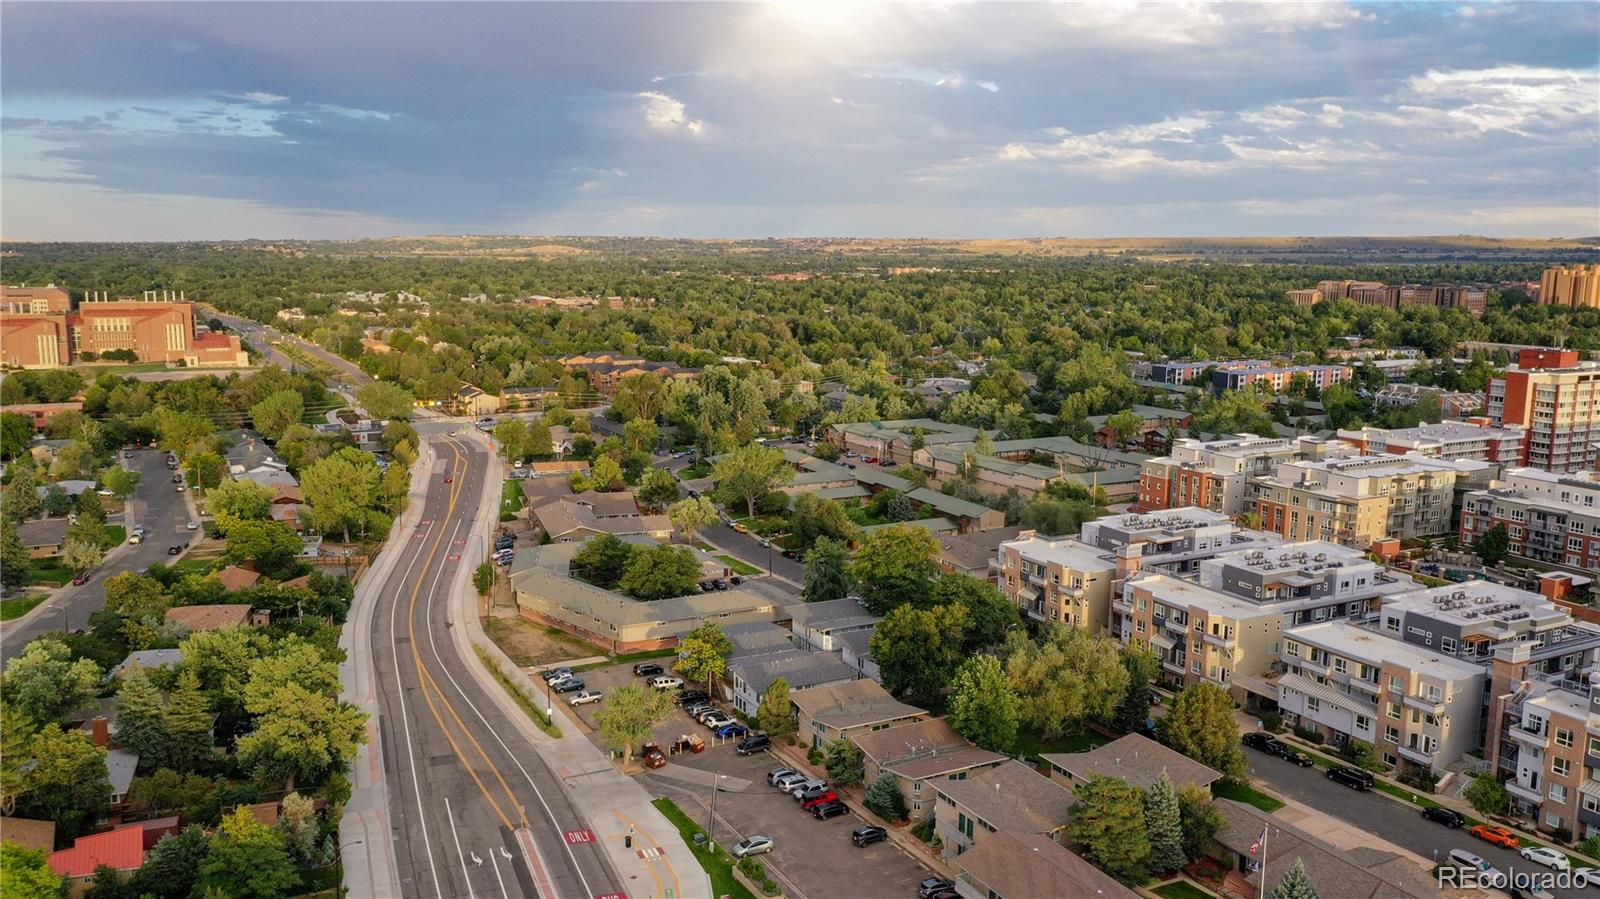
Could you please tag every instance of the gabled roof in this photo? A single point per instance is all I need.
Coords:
(29, 833)
(1359, 873)
(799, 667)
(1024, 865)
(44, 532)
(1014, 796)
(833, 613)
(851, 704)
(122, 849)
(120, 765)
(977, 549)
(210, 617)
(235, 578)
(1135, 759)
(924, 737)
(149, 659)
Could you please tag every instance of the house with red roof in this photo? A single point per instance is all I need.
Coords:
(122, 848)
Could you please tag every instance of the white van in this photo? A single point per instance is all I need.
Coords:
(136, 537)
(666, 682)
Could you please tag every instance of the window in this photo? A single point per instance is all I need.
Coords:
(1396, 684)
(1392, 734)
(1313, 704)
(964, 824)
(1341, 665)
(1560, 766)
(1291, 648)
(1594, 745)
(1447, 644)
(1563, 737)
(1394, 710)
(1558, 792)
(1392, 625)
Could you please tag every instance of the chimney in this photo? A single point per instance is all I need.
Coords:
(100, 730)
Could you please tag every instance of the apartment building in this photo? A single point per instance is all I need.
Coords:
(1452, 403)
(1556, 398)
(1543, 737)
(1415, 706)
(1181, 373)
(1278, 378)
(1474, 440)
(1576, 286)
(1365, 498)
(1402, 296)
(1342, 290)
(1059, 579)
(1175, 541)
(1549, 517)
(1306, 297)
(1215, 474)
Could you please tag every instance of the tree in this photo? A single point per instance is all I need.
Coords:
(629, 715)
(16, 738)
(990, 616)
(692, 514)
(602, 561)
(235, 501)
(172, 867)
(1068, 680)
(1360, 754)
(14, 558)
(340, 491)
(660, 572)
(170, 792)
(206, 469)
(512, 435)
(1493, 545)
(605, 475)
(899, 507)
(895, 565)
(267, 545)
(383, 400)
(814, 518)
(983, 707)
(247, 859)
(640, 435)
(775, 714)
(483, 578)
(1488, 795)
(141, 718)
(188, 724)
(884, 798)
(917, 650)
(827, 577)
(273, 415)
(300, 734)
(56, 502)
(1201, 726)
(1295, 884)
(1200, 819)
(641, 397)
(657, 489)
(1133, 710)
(79, 556)
(1126, 425)
(68, 782)
(1163, 824)
(16, 432)
(749, 473)
(21, 497)
(844, 762)
(45, 683)
(120, 481)
(298, 822)
(1108, 826)
(91, 508)
(703, 654)
(24, 874)
(134, 595)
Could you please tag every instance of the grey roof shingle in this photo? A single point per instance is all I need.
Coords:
(851, 704)
(1013, 796)
(797, 666)
(1027, 865)
(1135, 759)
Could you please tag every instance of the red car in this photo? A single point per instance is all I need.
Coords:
(81, 579)
(448, 479)
(829, 796)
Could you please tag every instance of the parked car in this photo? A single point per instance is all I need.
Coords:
(731, 729)
(691, 696)
(1299, 758)
(693, 711)
(569, 685)
(868, 834)
(790, 554)
(789, 781)
(192, 526)
(775, 773)
(1544, 855)
(1444, 816)
(715, 718)
(830, 810)
(754, 743)
(1499, 836)
(1349, 778)
(752, 846)
(809, 801)
(553, 674)
(81, 579)
(177, 479)
(180, 488)
(719, 584)
(1474, 862)
(647, 669)
(1265, 742)
(666, 682)
(933, 885)
(583, 697)
(808, 784)
(174, 550)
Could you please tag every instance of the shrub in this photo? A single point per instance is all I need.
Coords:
(1590, 847)
(1561, 834)
(923, 830)
(1309, 734)
(1423, 779)
(1272, 722)
(814, 756)
(752, 869)
(885, 800)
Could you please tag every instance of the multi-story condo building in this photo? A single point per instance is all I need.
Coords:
(1415, 706)
(1215, 474)
(1365, 498)
(1278, 378)
(1577, 286)
(1175, 541)
(1303, 297)
(1170, 372)
(1444, 440)
(1556, 398)
(1059, 579)
(1453, 403)
(1399, 296)
(1549, 517)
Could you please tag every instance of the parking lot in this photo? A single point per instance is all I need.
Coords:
(811, 858)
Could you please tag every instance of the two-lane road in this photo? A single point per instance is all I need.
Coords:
(467, 793)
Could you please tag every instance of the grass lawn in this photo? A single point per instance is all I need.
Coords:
(1247, 794)
(511, 499)
(18, 606)
(718, 864)
(116, 534)
(48, 572)
(739, 566)
(519, 694)
(1030, 744)
(190, 565)
(1181, 889)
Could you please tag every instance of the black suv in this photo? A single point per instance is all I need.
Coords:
(1444, 816)
(1265, 742)
(753, 743)
(647, 669)
(690, 697)
(831, 810)
(865, 836)
(1354, 778)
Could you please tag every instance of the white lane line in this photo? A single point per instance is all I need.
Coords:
(405, 719)
(497, 878)
(492, 731)
(465, 874)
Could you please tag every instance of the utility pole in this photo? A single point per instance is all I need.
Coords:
(711, 825)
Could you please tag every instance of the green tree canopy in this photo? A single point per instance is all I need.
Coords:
(657, 489)
(24, 873)
(814, 518)
(749, 473)
(383, 400)
(775, 714)
(703, 653)
(660, 572)
(341, 492)
(629, 715)
(827, 571)
(1163, 822)
(884, 798)
(14, 557)
(917, 650)
(248, 860)
(896, 565)
(1201, 726)
(983, 707)
(273, 415)
(1066, 681)
(1108, 827)
(602, 561)
(45, 683)
(692, 515)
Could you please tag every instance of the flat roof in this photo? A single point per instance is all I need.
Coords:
(1476, 602)
(1188, 594)
(1068, 552)
(1345, 639)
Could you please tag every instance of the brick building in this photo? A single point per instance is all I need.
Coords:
(50, 335)
(1556, 398)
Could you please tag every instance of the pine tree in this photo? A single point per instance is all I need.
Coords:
(1163, 824)
(884, 798)
(188, 724)
(1107, 826)
(1295, 884)
(141, 721)
(173, 865)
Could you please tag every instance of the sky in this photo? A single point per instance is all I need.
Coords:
(149, 121)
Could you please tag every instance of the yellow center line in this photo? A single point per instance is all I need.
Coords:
(677, 884)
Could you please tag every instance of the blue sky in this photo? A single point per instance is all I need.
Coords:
(147, 121)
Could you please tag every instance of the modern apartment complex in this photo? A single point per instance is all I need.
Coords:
(1180, 373)
(1576, 286)
(1445, 440)
(1278, 378)
(1059, 579)
(52, 335)
(1215, 474)
(1556, 398)
(1549, 517)
(1365, 498)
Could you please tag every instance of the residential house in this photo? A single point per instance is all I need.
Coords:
(216, 617)
(750, 676)
(235, 578)
(1135, 759)
(844, 709)
(855, 650)
(820, 624)
(1010, 796)
(1356, 872)
(149, 660)
(1011, 865)
(471, 400)
(921, 754)
(567, 519)
(121, 849)
(977, 553)
(45, 537)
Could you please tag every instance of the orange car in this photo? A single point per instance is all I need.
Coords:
(1497, 835)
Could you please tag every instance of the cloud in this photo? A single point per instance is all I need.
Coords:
(263, 97)
(663, 112)
(1015, 152)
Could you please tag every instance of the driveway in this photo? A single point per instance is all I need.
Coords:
(158, 506)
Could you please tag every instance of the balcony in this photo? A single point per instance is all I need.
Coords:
(1228, 639)
(1424, 704)
(1526, 794)
(1537, 739)
(1417, 755)
(1122, 605)
(1314, 667)
(1177, 627)
(1174, 667)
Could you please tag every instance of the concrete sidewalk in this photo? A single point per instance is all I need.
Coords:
(659, 864)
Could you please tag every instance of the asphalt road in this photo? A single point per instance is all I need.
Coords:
(158, 506)
(462, 783)
(746, 548)
(263, 335)
(1385, 818)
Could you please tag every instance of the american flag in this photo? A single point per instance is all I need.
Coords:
(1256, 846)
